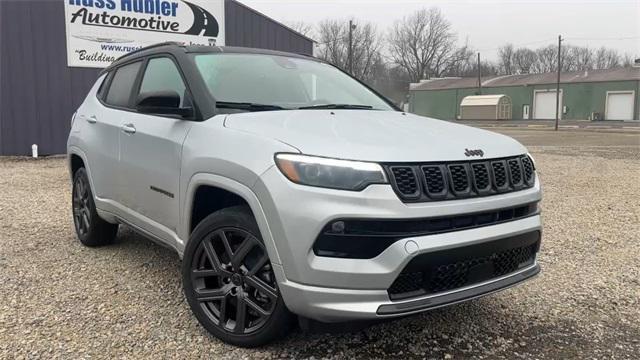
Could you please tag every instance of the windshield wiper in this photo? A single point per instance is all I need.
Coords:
(247, 106)
(337, 106)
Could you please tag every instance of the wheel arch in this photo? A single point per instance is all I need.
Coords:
(236, 191)
(75, 158)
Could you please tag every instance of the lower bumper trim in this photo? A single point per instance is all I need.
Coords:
(457, 296)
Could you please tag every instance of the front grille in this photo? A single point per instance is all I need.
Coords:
(449, 181)
(452, 269)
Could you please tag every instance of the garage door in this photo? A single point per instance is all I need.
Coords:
(619, 106)
(544, 104)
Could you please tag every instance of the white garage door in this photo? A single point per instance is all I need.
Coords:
(619, 106)
(544, 104)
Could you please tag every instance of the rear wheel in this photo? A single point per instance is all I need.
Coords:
(90, 228)
(229, 282)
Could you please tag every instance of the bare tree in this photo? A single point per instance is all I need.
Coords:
(505, 59)
(459, 63)
(423, 44)
(546, 59)
(523, 60)
(582, 58)
(606, 59)
(301, 27)
(627, 60)
(333, 37)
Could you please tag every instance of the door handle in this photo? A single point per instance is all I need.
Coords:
(91, 119)
(129, 128)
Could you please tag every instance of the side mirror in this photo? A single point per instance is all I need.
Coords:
(162, 102)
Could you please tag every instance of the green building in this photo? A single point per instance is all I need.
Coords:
(585, 95)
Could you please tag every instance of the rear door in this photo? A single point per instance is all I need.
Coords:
(100, 119)
(151, 151)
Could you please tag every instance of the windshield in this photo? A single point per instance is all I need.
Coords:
(284, 82)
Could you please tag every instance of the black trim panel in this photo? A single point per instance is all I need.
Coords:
(367, 238)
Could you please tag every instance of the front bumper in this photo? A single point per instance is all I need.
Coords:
(338, 289)
(336, 305)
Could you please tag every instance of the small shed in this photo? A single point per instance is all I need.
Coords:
(485, 107)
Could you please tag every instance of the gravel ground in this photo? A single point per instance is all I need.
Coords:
(60, 299)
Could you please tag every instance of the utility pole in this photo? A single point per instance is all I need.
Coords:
(350, 52)
(479, 77)
(558, 113)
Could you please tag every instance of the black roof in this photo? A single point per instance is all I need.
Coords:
(175, 46)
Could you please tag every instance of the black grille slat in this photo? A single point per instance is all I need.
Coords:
(481, 178)
(515, 172)
(435, 180)
(527, 169)
(457, 180)
(405, 180)
(500, 174)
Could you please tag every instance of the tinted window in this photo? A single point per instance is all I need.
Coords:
(163, 75)
(122, 84)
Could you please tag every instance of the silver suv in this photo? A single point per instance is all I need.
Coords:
(288, 187)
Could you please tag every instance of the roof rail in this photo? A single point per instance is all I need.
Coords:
(151, 47)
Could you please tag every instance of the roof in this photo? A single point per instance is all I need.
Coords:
(177, 46)
(621, 74)
(480, 100)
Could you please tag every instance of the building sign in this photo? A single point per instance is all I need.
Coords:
(100, 31)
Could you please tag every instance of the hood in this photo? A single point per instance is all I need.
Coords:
(380, 136)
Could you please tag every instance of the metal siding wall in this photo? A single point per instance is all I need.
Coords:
(248, 28)
(40, 93)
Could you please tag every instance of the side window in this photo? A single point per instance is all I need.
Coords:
(163, 75)
(122, 85)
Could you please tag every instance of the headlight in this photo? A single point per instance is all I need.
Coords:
(330, 173)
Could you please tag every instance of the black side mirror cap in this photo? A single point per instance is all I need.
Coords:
(162, 102)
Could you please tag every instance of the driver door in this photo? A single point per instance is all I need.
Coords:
(151, 152)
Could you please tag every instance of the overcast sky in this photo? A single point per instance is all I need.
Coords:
(488, 24)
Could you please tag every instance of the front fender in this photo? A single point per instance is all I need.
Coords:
(232, 186)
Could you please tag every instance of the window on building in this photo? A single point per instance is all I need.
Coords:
(122, 85)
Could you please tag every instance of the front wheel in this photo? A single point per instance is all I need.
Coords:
(229, 282)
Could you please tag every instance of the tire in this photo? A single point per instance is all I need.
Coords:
(90, 228)
(227, 276)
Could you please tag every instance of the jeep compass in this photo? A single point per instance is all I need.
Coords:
(290, 189)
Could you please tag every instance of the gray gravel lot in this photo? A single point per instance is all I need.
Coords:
(60, 299)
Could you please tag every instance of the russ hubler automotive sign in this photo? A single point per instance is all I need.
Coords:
(100, 31)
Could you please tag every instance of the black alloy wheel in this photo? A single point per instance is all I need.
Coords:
(81, 210)
(90, 228)
(229, 281)
(233, 280)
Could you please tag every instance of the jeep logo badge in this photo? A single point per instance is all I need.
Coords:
(477, 152)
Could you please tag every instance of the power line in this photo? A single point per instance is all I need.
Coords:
(603, 39)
